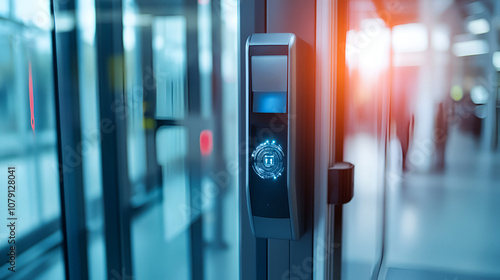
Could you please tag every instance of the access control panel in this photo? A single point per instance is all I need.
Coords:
(273, 191)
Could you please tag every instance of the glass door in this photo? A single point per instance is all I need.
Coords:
(422, 130)
(153, 106)
(442, 195)
(181, 94)
(366, 121)
(31, 233)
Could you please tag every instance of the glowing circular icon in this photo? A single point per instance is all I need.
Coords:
(268, 160)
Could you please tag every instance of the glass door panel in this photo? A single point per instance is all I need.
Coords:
(422, 131)
(180, 84)
(29, 196)
(367, 111)
(442, 195)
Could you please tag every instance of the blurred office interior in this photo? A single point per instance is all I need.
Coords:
(133, 129)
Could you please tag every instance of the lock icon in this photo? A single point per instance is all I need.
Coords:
(268, 160)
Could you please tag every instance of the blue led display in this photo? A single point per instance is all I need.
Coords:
(269, 102)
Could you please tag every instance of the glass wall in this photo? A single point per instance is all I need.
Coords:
(433, 212)
(28, 143)
(443, 195)
(179, 88)
(367, 113)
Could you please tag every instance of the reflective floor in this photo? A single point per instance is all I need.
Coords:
(448, 221)
(439, 224)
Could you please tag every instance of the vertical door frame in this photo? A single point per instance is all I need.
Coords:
(332, 23)
(113, 113)
(325, 84)
(193, 164)
(252, 251)
(69, 138)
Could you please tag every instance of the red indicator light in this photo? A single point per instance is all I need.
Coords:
(206, 142)
(31, 99)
